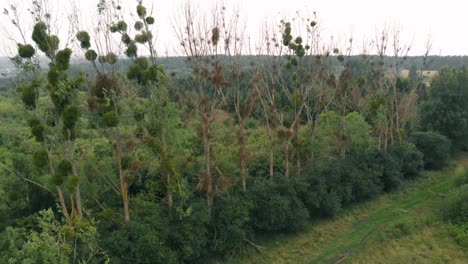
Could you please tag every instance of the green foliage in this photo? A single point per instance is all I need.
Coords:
(135, 73)
(39, 36)
(62, 59)
(51, 242)
(189, 234)
(455, 206)
(40, 158)
(126, 39)
(460, 233)
(143, 240)
(64, 168)
(149, 20)
(111, 58)
(142, 38)
(141, 11)
(131, 50)
(84, 39)
(276, 206)
(28, 95)
(231, 223)
(435, 148)
(410, 158)
(445, 111)
(126, 162)
(454, 209)
(399, 230)
(138, 25)
(155, 73)
(70, 116)
(110, 119)
(37, 129)
(337, 133)
(26, 51)
(392, 170)
(122, 26)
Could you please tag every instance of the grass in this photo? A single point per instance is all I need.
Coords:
(401, 227)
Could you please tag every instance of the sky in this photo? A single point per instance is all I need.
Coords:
(443, 23)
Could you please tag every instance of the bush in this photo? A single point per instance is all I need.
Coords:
(230, 221)
(409, 157)
(365, 176)
(142, 240)
(435, 148)
(455, 207)
(110, 119)
(445, 110)
(392, 171)
(189, 234)
(276, 206)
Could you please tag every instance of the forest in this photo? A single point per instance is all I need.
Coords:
(108, 155)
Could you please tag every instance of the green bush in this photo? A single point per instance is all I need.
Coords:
(460, 233)
(455, 206)
(392, 171)
(189, 234)
(445, 110)
(40, 158)
(230, 221)
(435, 148)
(365, 176)
(110, 119)
(276, 206)
(410, 159)
(143, 240)
(454, 209)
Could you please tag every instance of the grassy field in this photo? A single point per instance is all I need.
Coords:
(402, 227)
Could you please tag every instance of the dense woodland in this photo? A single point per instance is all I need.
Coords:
(118, 159)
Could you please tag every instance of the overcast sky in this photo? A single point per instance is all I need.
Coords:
(444, 22)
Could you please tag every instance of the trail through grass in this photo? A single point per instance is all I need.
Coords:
(373, 232)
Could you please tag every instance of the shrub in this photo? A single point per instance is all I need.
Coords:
(276, 206)
(70, 116)
(409, 157)
(64, 168)
(143, 240)
(454, 209)
(455, 206)
(40, 158)
(365, 176)
(392, 171)
(110, 119)
(189, 234)
(435, 148)
(230, 221)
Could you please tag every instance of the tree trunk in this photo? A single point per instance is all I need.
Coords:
(298, 146)
(123, 180)
(286, 155)
(79, 207)
(207, 152)
(271, 148)
(64, 206)
(242, 157)
(168, 174)
(65, 212)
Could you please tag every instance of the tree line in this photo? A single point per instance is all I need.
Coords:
(133, 164)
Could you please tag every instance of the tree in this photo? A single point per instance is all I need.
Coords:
(445, 110)
(54, 119)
